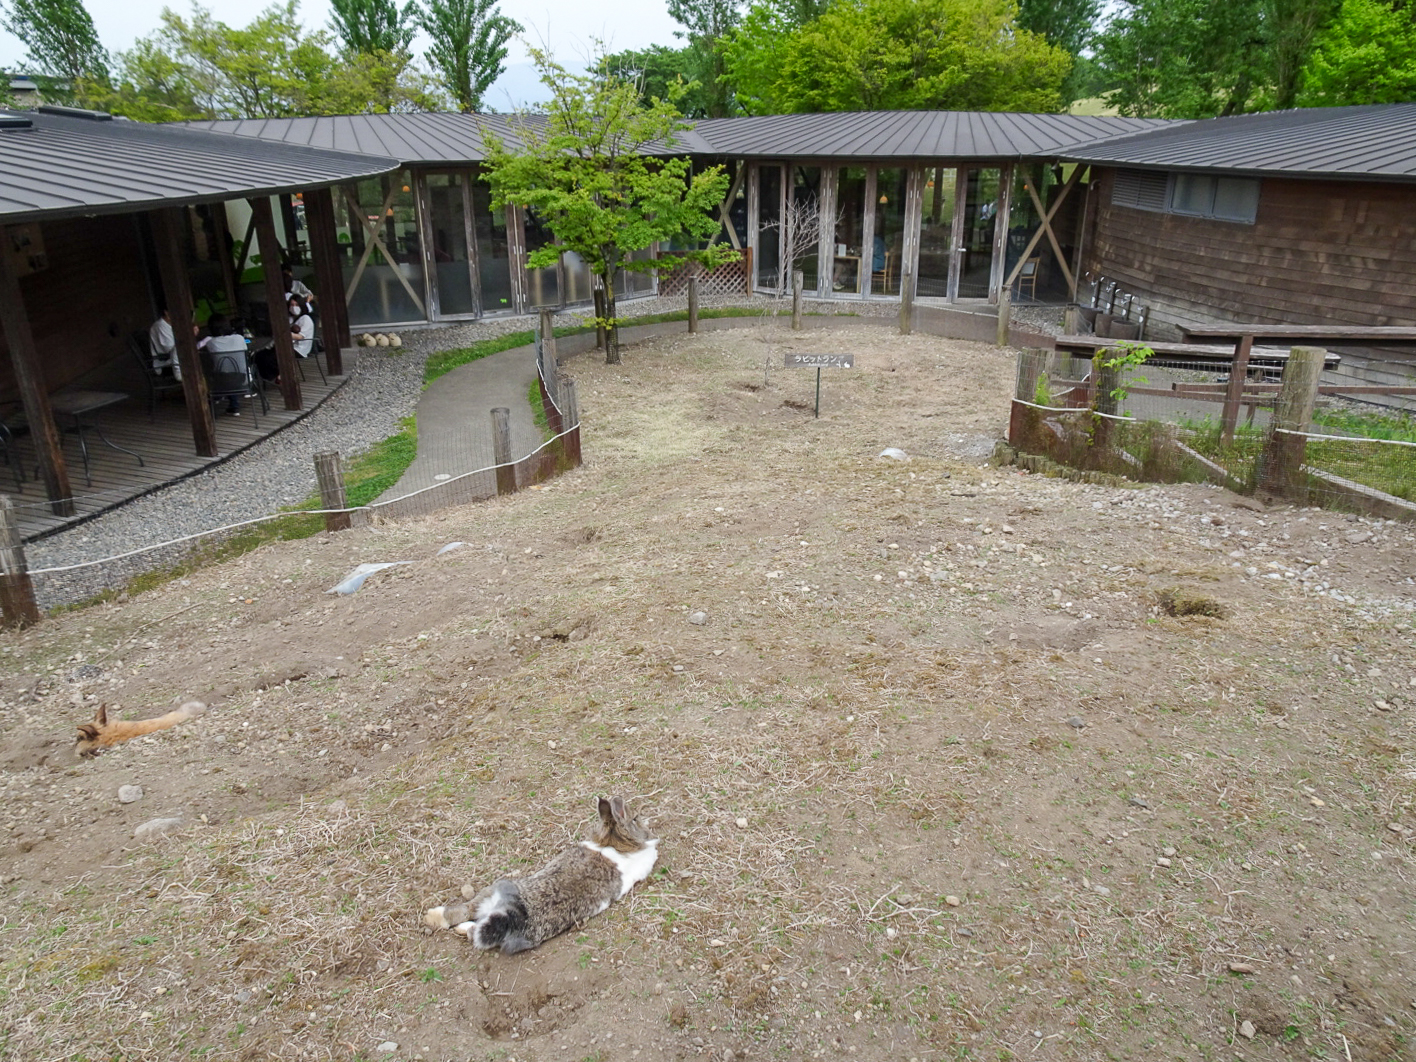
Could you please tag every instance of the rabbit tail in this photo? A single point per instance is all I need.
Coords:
(501, 921)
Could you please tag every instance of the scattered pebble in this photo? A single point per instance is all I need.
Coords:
(742, 823)
(388, 1047)
(953, 901)
(1247, 1030)
(129, 794)
(698, 618)
(1076, 722)
(1240, 968)
(156, 829)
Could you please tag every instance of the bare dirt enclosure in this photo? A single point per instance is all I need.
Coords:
(935, 771)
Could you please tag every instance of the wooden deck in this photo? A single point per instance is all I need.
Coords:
(165, 444)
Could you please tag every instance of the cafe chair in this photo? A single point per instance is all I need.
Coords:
(231, 375)
(158, 383)
(1026, 284)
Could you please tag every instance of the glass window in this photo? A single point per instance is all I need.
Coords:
(447, 226)
(936, 231)
(980, 216)
(802, 235)
(388, 254)
(542, 285)
(493, 251)
(846, 273)
(1192, 193)
(1236, 199)
(889, 241)
(769, 220)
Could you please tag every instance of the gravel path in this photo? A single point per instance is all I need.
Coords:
(279, 472)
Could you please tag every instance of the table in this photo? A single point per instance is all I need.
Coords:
(77, 404)
(1243, 336)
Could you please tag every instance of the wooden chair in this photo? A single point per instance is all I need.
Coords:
(1026, 284)
(157, 383)
(885, 276)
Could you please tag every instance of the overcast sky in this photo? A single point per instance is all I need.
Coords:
(569, 26)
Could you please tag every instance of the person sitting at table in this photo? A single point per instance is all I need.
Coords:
(162, 344)
(227, 348)
(302, 335)
(295, 287)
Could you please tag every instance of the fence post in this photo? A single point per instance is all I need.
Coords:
(570, 417)
(1234, 393)
(1070, 320)
(1106, 379)
(907, 294)
(1281, 463)
(548, 347)
(1031, 362)
(329, 470)
(501, 446)
(601, 332)
(1005, 310)
(692, 304)
(797, 284)
(16, 588)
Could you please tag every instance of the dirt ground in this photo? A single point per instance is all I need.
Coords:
(936, 775)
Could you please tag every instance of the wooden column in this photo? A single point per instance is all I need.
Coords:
(17, 602)
(34, 393)
(329, 277)
(177, 291)
(329, 472)
(693, 303)
(501, 448)
(222, 231)
(292, 234)
(797, 279)
(275, 299)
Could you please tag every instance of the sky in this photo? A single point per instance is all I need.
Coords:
(570, 27)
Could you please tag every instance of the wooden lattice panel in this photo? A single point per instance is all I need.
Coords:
(728, 279)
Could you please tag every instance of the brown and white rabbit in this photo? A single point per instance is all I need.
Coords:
(514, 914)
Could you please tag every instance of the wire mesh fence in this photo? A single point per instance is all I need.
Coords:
(1298, 426)
(473, 455)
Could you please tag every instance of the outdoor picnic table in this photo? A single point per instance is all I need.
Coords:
(74, 406)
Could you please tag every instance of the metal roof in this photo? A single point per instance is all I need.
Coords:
(418, 138)
(1376, 142)
(870, 135)
(67, 165)
(458, 138)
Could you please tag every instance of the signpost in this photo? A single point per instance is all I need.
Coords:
(819, 362)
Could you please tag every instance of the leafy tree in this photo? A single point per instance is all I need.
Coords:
(1366, 55)
(707, 25)
(753, 55)
(62, 45)
(1202, 58)
(469, 46)
(199, 67)
(663, 74)
(906, 55)
(592, 173)
(367, 27)
(1068, 24)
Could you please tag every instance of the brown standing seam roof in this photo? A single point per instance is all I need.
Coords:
(54, 166)
(1373, 143)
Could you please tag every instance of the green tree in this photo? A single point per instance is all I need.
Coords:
(908, 55)
(665, 74)
(62, 46)
(1366, 55)
(199, 67)
(1069, 25)
(1202, 58)
(368, 27)
(593, 171)
(707, 25)
(754, 53)
(469, 46)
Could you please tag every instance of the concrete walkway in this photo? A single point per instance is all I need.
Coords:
(455, 431)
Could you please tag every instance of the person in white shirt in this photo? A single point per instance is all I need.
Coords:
(227, 348)
(302, 335)
(163, 346)
(295, 287)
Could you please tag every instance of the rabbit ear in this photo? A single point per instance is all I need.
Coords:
(617, 808)
(607, 814)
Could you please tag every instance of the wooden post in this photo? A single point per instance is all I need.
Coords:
(1105, 380)
(1031, 363)
(570, 417)
(222, 230)
(1238, 373)
(501, 446)
(329, 277)
(1281, 463)
(907, 294)
(177, 290)
(275, 299)
(601, 332)
(1005, 311)
(34, 393)
(287, 221)
(549, 365)
(692, 304)
(329, 470)
(1071, 320)
(16, 589)
(797, 282)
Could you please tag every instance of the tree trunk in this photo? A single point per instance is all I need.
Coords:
(612, 334)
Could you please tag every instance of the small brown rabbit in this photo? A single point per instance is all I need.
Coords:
(519, 913)
(101, 734)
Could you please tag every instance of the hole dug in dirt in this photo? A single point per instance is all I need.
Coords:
(1174, 601)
